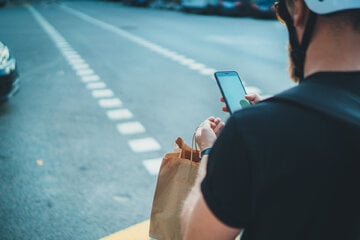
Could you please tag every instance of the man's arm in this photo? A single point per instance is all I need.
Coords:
(198, 222)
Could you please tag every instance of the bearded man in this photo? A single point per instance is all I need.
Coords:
(288, 168)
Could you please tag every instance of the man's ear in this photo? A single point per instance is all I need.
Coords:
(300, 14)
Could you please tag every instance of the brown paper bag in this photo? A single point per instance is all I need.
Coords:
(176, 177)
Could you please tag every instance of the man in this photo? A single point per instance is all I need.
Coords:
(280, 170)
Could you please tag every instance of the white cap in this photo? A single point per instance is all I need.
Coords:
(330, 6)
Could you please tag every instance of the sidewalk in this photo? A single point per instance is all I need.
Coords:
(138, 231)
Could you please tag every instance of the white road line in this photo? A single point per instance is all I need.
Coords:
(78, 66)
(251, 89)
(130, 128)
(208, 71)
(85, 72)
(63, 44)
(90, 78)
(140, 41)
(119, 114)
(96, 85)
(76, 61)
(102, 93)
(144, 145)
(197, 66)
(72, 56)
(176, 57)
(110, 103)
(186, 61)
(70, 52)
(153, 165)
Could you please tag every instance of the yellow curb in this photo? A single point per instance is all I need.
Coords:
(138, 231)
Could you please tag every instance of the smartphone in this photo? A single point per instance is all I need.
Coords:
(232, 89)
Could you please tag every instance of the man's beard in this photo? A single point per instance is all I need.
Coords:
(292, 67)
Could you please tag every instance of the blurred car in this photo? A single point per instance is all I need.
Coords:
(138, 3)
(234, 7)
(3, 3)
(9, 78)
(200, 6)
(263, 9)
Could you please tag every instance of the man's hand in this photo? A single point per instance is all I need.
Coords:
(252, 98)
(207, 132)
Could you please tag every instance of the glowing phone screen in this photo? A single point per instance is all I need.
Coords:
(232, 90)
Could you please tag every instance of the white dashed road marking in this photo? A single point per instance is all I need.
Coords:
(106, 97)
(110, 103)
(144, 145)
(130, 128)
(80, 66)
(85, 72)
(153, 165)
(102, 93)
(119, 114)
(96, 85)
(90, 78)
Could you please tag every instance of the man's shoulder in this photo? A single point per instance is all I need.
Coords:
(274, 113)
(267, 107)
(267, 117)
(264, 109)
(308, 104)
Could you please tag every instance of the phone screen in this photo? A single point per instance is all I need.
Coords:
(232, 90)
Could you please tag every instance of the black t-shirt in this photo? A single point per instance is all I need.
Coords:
(282, 171)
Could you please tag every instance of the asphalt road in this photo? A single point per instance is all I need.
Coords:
(105, 90)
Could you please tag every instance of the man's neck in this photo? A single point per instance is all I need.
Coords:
(330, 51)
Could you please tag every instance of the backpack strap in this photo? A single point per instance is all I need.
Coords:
(336, 102)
